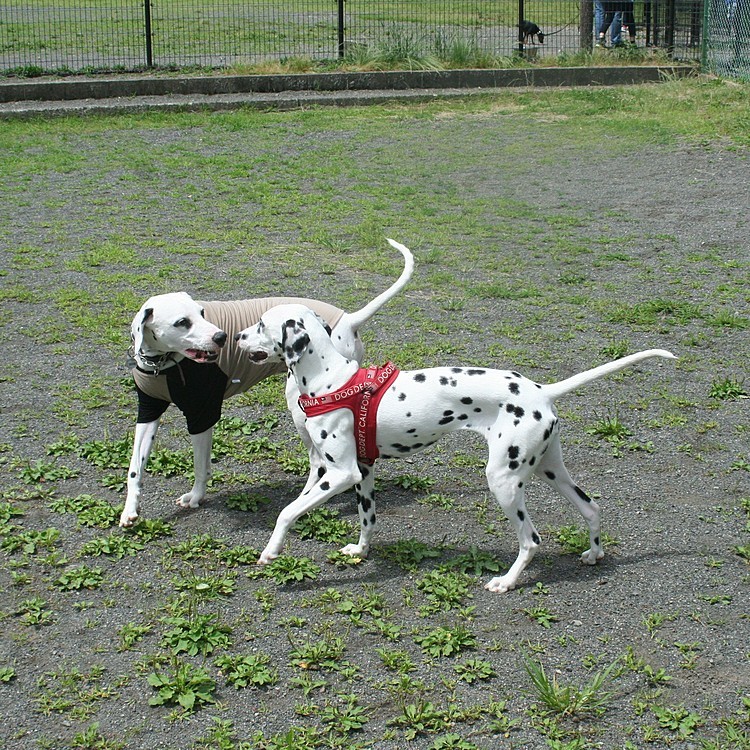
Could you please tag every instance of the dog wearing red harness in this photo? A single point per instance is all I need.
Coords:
(516, 417)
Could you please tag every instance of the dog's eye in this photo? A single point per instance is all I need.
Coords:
(183, 323)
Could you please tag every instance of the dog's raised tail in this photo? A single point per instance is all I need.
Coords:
(360, 317)
(556, 390)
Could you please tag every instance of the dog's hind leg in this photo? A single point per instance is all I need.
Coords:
(143, 442)
(506, 485)
(551, 469)
(365, 490)
(202, 444)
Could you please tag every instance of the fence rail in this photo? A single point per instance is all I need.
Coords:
(42, 35)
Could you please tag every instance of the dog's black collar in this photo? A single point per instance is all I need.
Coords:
(151, 365)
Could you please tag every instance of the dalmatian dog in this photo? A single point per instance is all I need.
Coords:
(516, 417)
(184, 352)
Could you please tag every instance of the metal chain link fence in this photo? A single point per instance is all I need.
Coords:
(727, 39)
(55, 36)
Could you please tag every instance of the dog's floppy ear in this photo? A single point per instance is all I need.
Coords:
(138, 327)
(294, 341)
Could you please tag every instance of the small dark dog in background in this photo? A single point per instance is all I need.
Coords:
(529, 30)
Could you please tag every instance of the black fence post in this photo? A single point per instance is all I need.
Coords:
(147, 23)
(521, 13)
(669, 31)
(586, 24)
(341, 25)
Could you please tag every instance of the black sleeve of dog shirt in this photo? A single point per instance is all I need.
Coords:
(198, 390)
(149, 408)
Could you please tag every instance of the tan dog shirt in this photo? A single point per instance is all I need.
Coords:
(199, 389)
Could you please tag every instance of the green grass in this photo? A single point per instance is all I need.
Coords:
(207, 650)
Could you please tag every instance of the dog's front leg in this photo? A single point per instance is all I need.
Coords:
(143, 442)
(202, 443)
(366, 508)
(332, 483)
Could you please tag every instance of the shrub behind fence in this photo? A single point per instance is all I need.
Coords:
(42, 35)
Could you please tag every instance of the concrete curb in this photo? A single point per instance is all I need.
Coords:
(20, 99)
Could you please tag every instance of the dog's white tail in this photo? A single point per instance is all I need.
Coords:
(553, 391)
(360, 317)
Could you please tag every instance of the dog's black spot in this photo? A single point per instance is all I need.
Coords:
(446, 420)
(538, 416)
(513, 451)
(420, 377)
(457, 370)
(411, 430)
(513, 465)
(443, 380)
(596, 541)
(535, 538)
(475, 372)
(521, 515)
(532, 460)
(321, 471)
(513, 388)
(516, 422)
(401, 396)
(477, 410)
(582, 494)
(330, 458)
(304, 380)
(364, 503)
(517, 410)
(550, 475)
(462, 417)
(408, 414)
(466, 400)
(401, 448)
(325, 486)
(364, 471)
(132, 475)
(520, 484)
(323, 434)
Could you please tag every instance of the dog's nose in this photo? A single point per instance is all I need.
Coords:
(220, 338)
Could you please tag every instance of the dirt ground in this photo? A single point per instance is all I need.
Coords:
(670, 600)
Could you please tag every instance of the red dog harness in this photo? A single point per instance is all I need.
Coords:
(362, 396)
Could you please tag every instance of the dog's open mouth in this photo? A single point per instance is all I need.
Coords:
(258, 356)
(201, 355)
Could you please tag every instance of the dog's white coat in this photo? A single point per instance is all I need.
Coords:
(515, 416)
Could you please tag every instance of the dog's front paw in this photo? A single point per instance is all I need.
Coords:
(189, 500)
(354, 550)
(500, 585)
(128, 518)
(266, 557)
(591, 557)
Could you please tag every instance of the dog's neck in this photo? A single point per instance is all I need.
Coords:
(326, 369)
(156, 362)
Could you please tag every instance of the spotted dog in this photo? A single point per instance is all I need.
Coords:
(516, 417)
(184, 353)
